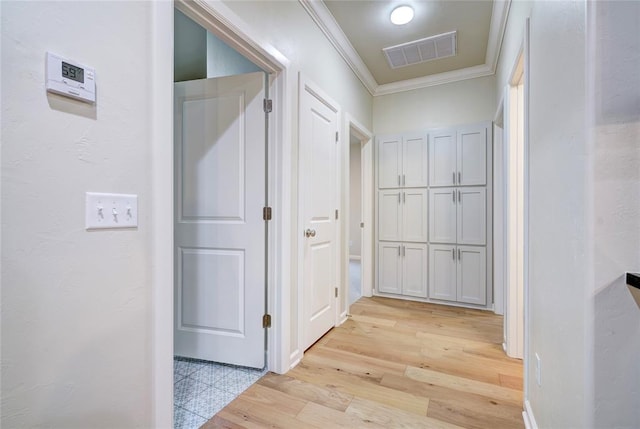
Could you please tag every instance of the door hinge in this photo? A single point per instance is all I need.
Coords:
(266, 321)
(266, 213)
(268, 105)
(336, 214)
(336, 289)
(337, 136)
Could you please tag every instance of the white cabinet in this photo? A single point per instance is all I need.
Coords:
(458, 215)
(402, 161)
(458, 157)
(402, 215)
(458, 273)
(402, 268)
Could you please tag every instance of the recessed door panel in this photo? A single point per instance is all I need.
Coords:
(442, 272)
(390, 215)
(442, 215)
(414, 276)
(472, 215)
(389, 268)
(389, 161)
(414, 215)
(472, 276)
(414, 163)
(472, 156)
(442, 158)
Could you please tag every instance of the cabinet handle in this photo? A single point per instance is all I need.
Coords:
(404, 197)
(404, 182)
(453, 254)
(454, 177)
(453, 194)
(399, 254)
(399, 197)
(459, 178)
(458, 254)
(459, 196)
(398, 180)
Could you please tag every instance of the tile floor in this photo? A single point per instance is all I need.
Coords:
(201, 389)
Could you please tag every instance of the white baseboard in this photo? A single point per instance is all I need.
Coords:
(527, 416)
(354, 257)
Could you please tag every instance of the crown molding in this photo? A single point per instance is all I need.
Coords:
(327, 23)
(434, 79)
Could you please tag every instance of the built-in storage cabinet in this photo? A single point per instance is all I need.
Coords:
(458, 273)
(402, 161)
(432, 206)
(458, 157)
(402, 268)
(402, 215)
(458, 215)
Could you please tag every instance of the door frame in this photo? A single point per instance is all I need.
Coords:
(352, 126)
(221, 21)
(305, 84)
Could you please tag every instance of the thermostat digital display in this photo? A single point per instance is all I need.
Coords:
(68, 78)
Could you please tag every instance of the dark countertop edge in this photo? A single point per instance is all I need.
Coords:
(633, 279)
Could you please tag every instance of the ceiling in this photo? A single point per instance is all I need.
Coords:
(360, 29)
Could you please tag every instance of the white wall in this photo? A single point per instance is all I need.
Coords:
(614, 70)
(222, 60)
(464, 102)
(76, 316)
(355, 199)
(190, 49)
(584, 208)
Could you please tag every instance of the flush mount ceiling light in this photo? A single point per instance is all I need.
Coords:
(402, 15)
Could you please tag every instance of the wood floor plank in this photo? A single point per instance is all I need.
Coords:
(392, 417)
(393, 364)
(330, 398)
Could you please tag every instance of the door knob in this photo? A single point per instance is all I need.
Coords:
(310, 232)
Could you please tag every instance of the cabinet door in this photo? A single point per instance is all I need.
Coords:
(472, 215)
(472, 275)
(414, 269)
(414, 215)
(442, 272)
(442, 215)
(414, 161)
(389, 161)
(472, 156)
(442, 158)
(390, 215)
(389, 268)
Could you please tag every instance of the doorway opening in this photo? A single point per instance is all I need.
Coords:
(355, 219)
(220, 233)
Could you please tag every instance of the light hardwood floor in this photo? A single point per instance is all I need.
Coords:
(393, 364)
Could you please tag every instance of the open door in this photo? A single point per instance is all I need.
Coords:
(220, 233)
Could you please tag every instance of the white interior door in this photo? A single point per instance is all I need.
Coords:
(219, 229)
(319, 168)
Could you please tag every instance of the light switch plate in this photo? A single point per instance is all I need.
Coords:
(104, 211)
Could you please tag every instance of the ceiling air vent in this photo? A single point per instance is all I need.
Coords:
(420, 51)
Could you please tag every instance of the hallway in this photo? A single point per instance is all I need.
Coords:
(392, 364)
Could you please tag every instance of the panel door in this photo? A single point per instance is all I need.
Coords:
(442, 158)
(472, 215)
(318, 161)
(442, 272)
(390, 215)
(219, 138)
(389, 161)
(442, 215)
(389, 267)
(414, 215)
(472, 156)
(472, 275)
(414, 269)
(414, 161)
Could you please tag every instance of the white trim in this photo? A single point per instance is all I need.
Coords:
(355, 257)
(527, 86)
(528, 417)
(161, 208)
(328, 25)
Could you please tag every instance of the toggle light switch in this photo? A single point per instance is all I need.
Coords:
(111, 211)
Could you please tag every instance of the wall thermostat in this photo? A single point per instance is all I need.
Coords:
(68, 78)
